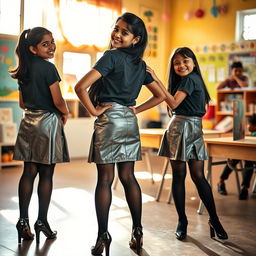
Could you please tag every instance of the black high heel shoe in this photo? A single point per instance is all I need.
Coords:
(181, 230)
(23, 229)
(216, 227)
(103, 241)
(136, 239)
(41, 226)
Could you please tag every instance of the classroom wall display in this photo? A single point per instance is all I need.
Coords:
(233, 47)
(8, 132)
(214, 68)
(8, 86)
(215, 60)
(6, 115)
(151, 17)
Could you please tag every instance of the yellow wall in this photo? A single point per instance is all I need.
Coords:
(206, 30)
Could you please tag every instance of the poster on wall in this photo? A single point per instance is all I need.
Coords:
(215, 60)
(150, 16)
(8, 86)
(214, 70)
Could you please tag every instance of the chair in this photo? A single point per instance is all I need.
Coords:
(242, 168)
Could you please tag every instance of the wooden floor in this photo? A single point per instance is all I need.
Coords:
(72, 214)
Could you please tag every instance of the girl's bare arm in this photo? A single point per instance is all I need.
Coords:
(172, 101)
(81, 91)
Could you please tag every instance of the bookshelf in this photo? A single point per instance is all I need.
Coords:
(225, 98)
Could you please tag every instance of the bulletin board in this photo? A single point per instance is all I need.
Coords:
(151, 18)
(8, 86)
(214, 68)
(215, 60)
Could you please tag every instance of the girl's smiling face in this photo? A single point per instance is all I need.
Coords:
(121, 37)
(183, 65)
(46, 48)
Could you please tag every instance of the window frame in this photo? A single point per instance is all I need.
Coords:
(240, 23)
(12, 37)
(61, 46)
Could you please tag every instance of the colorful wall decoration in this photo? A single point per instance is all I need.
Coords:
(150, 17)
(214, 68)
(8, 86)
(215, 61)
(244, 46)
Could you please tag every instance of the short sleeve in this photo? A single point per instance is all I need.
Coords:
(105, 64)
(187, 84)
(148, 79)
(52, 75)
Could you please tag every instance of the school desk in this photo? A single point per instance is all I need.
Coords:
(151, 139)
(227, 148)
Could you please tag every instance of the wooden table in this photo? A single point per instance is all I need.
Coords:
(227, 148)
(151, 138)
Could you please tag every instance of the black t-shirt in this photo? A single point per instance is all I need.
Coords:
(36, 93)
(194, 103)
(121, 78)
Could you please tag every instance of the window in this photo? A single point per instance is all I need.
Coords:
(246, 25)
(7, 14)
(83, 23)
(77, 22)
(23, 14)
(33, 13)
(75, 66)
(81, 29)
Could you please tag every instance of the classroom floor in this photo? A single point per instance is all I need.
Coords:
(72, 214)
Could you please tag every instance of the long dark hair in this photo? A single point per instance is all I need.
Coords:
(137, 27)
(29, 37)
(174, 78)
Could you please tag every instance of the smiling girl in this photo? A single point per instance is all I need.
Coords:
(41, 140)
(187, 97)
(121, 72)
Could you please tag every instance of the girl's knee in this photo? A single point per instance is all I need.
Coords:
(127, 179)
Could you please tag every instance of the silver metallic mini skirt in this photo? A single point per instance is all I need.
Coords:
(41, 138)
(183, 139)
(116, 136)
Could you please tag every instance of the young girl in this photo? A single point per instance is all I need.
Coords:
(41, 141)
(183, 142)
(116, 137)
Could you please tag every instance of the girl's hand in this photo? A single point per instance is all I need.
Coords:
(100, 110)
(64, 118)
(152, 73)
(133, 109)
(231, 78)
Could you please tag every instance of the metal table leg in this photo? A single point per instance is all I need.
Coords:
(166, 163)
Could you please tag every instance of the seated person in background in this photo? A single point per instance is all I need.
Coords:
(247, 172)
(236, 79)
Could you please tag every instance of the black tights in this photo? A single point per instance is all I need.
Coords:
(196, 168)
(103, 193)
(44, 189)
